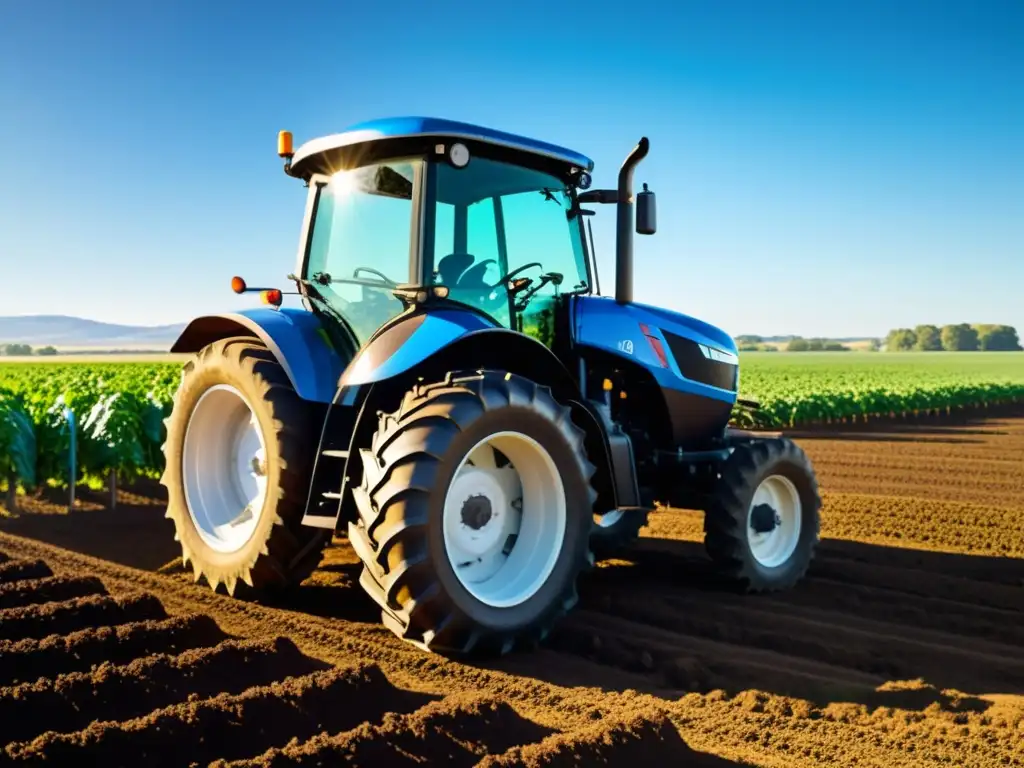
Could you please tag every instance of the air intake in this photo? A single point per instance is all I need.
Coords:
(697, 366)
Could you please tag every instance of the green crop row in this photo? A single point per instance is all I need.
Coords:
(119, 407)
(809, 388)
(117, 410)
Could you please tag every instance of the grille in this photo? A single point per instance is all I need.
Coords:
(694, 366)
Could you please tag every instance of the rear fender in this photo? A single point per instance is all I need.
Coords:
(295, 337)
(408, 341)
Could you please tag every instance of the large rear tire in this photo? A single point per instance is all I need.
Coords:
(238, 461)
(763, 525)
(474, 514)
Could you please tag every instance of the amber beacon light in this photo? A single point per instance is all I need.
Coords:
(284, 144)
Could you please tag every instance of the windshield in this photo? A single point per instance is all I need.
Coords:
(493, 220)
(359, 245)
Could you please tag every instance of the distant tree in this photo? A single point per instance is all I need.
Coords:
(798, 345)
(874, 345)
(834, 346)
(929, 338)
(900, 340)
(17, 350)
(959, 338)
(748, 339)
(997, 338)
(46, 351)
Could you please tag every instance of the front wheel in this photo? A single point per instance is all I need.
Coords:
(762, 527)
(238, 458)
(474, 514)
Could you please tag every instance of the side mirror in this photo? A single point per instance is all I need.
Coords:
(646, 213)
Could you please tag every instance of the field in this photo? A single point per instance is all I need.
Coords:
(902, 648)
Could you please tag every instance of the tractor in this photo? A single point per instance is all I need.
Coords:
(456, 397)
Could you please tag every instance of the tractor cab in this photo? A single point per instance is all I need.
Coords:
(481, 218)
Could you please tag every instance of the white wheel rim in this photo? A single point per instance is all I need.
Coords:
(608, 519)
(773, 548)
(504, 523)
(224, 469)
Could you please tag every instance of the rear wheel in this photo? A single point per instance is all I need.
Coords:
(762, 527)
(474, 514)
(238, 458)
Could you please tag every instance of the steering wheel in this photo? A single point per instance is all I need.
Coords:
(515, 272)
(391, 283)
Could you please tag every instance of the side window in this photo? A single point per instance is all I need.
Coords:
(535, 233)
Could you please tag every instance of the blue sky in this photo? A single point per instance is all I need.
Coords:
(822, 168)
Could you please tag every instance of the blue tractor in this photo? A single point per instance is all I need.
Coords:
(458, 398)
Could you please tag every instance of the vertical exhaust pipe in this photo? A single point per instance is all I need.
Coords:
(624, 224)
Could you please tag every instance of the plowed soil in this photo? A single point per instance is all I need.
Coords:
(902, 647)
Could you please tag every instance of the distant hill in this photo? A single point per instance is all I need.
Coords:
(62, 331)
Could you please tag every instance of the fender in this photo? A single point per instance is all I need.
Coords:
(295, 337)
(409, 340)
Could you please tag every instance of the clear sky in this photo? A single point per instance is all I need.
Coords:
(822, 168)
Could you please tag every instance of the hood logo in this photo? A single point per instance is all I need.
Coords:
(626, 346)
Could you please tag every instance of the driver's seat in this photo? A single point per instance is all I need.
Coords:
(473, 278)
(451, 267)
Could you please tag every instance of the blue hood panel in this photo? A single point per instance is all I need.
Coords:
(604, 324)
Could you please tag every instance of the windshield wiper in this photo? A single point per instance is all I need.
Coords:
(549, 194)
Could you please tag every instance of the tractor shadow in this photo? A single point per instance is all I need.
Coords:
(333, 591)
(870, 626)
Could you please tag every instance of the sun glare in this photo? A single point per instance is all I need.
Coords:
(343, 182)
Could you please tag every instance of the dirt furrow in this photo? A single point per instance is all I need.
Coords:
(639, 738)
(20, 570)
(31, 659)
(38, 621)
(690, 663)
(51, 589)
(108, 692)
(458, 730)
(227, 726)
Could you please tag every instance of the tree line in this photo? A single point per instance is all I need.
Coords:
(962, 337)
(24, 350)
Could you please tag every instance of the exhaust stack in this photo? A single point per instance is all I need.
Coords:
(624, 224)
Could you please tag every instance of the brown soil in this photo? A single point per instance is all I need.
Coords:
(902, 647)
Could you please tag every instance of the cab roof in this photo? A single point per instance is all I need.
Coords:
(414, 127)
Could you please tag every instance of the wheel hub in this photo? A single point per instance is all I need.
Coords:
(504, 519)
(764, 518)
(482, 523)
(476, 512)
(774, 521)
